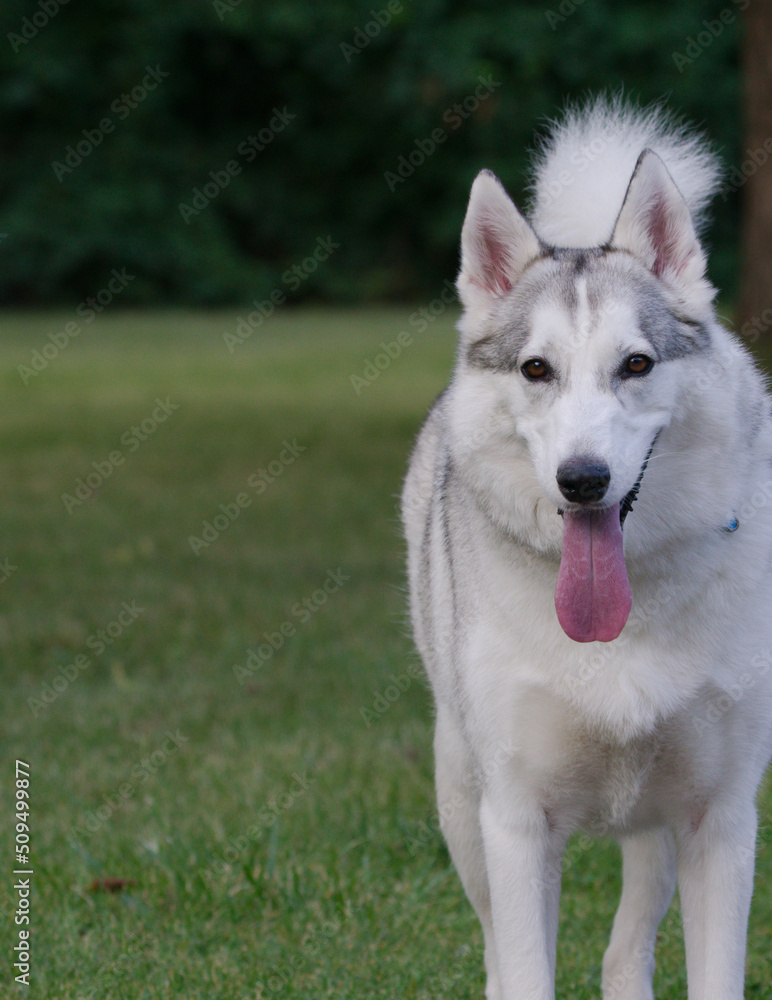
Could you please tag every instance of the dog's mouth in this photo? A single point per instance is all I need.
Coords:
(593, 598)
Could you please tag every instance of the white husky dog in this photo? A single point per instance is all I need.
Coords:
(598, 663)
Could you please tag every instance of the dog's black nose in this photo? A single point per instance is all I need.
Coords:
(583, 480)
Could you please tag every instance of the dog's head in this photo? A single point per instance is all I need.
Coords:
(582, 341)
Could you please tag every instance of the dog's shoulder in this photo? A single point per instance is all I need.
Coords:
(421, 476)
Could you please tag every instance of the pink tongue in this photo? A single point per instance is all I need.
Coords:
(592, 597)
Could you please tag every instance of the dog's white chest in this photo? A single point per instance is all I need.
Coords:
(584, 777)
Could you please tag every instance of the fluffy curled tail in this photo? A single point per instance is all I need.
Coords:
(583, 165)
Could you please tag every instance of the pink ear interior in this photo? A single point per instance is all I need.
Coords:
(495, 264)
(496, 242)
(662, 231)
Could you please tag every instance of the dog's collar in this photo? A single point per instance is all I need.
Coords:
(627, 503)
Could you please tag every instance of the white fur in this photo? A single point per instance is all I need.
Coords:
(659, 738)
(583, 166)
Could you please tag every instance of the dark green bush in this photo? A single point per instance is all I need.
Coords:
(347, 112)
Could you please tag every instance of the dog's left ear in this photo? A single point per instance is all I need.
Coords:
(496, 243)
(656, 226)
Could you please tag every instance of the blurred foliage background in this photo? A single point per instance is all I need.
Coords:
(355, 85)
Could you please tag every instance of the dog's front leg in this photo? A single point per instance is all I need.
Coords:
(715, 881)
(523, 857)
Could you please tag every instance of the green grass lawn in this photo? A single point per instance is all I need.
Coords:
(269, 830)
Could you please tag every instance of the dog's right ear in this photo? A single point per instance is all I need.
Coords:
(655, 225)
(496, 243)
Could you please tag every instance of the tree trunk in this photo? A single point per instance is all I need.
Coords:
(754, 316)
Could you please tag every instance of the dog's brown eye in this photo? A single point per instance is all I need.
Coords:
(637, 364)
(535, 369)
